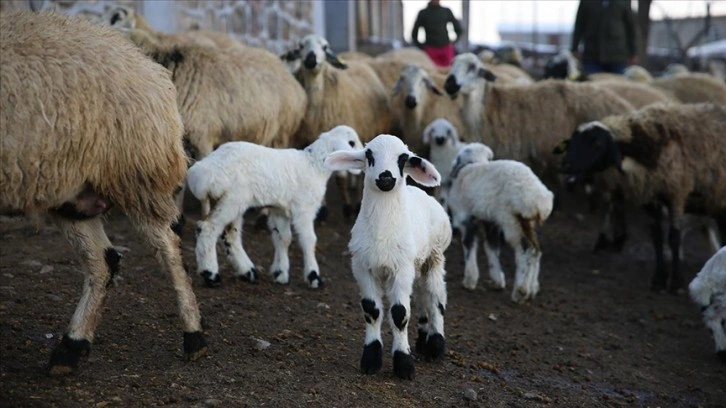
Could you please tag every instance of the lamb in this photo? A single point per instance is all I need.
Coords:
(521, 122)
(443, 139)
(126, 18)
(89, 122)
(510, 201)
(417, 100)
(708, 290)
(662, 155)
(340, 94)
(397, 246)
(290, 182)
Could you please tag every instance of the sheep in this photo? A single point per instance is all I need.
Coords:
(126, 18)
(693, 87)
(340, 94)
(89, 122)
(637, 73)
(409, 55)
(417, 100)
(229, 96)
(636, 93)
(660, 155)
(443, 139)
(397, 247)
(708, 290)
(563, 65)
(290, 182)
(510, 201)
(522, 122)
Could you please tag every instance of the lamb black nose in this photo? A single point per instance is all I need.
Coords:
(310, 62)
(386, 181)
(411, 102)
(439, 140)
(450, 86)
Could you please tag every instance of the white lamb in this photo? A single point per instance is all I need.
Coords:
(444, 144)
(708, 289)
(510, 201)
(397, 246)
(290, 182)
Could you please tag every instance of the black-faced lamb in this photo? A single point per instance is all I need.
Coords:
(87, 121)
(521, 122)
(708, 290)
(662, 155)
(291, 183)
(509, 201)
(397, 246)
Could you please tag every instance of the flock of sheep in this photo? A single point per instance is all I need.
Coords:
(117, 114)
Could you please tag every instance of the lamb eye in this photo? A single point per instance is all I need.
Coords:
(470, 68)
(352, 144)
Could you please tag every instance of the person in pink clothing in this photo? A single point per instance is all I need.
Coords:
(434, 19)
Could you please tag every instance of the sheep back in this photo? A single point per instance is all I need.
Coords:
(693, 88)
(637, 94)
(82, 105)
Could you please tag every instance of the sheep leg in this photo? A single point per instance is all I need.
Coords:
(341, 179)
(399, 295)
(491, 249)
(470, 243)
(90, 242)
(208, 231)
(526, 255)
(279, 226)
(372, 304)
(660, 277)
(306, 238)
(178, 225)
(167, 247)
(431, 297)
(674, 242)
(232, 240)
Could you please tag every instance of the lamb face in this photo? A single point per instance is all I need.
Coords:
(314, 51)
(590, 150)
(441, 133)
(472, 153)
(465, 71)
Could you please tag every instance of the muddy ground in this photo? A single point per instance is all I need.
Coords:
(595, 336)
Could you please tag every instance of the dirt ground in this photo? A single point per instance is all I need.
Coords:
(595, 336)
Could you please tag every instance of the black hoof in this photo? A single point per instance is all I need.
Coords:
(212, 280)
(435, 347)
(64, 358)
(178, 226)
(421, 342)
(194, 346)
(314, 280)
(721, 355)
(250, 276)
(403, 365)
(372, 358)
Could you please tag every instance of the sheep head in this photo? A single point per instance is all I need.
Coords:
(386, 161)
(471, 154)
(466, 71)
(414, 82)
(120, 17)
(591, 149)
(314, 50)
(440, 132)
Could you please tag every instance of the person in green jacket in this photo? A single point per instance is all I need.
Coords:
(606, 29)
(434, 19)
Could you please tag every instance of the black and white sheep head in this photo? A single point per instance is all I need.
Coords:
(414, 82)
(440, 132)
(472, 153)
(339, 138)
(386, 161)
(466, 71)
(591, 149)
(292, 60)
(120, 18)
(564, 65)
(315, 51)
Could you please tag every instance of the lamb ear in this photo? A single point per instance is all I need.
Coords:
(561, 147)
(427, 135)
(486, 74)
(334, 61)
(346, 160)
(431, 87)
(422, 171)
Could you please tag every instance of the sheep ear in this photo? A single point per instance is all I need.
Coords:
(334, 61)
(561, 147)
(346, 160)
(422, 171)
(396, 87)
(427, 135)
(430, 85)
(486, 74)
